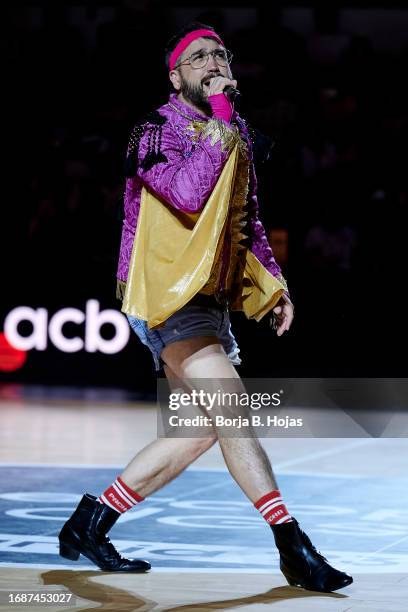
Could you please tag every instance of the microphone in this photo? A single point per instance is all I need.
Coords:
(232, 93)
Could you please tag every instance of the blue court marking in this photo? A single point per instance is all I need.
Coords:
(202, 521)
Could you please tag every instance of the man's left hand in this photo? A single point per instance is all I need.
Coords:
(282, 315)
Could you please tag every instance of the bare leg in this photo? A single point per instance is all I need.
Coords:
(85, 531)
(204, 358)
(165, 458)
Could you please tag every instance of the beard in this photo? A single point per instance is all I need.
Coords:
(195, 94)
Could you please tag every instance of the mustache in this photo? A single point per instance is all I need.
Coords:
(212, 75)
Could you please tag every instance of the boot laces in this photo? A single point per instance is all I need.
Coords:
(112, 550)
(309, 543)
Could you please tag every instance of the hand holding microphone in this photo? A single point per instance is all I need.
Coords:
(232, 93)
(222, 91)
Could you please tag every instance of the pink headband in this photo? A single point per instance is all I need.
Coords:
(184, 42)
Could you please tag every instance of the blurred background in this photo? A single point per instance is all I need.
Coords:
(326, 82)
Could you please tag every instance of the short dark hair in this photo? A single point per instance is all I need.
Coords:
(175, 39)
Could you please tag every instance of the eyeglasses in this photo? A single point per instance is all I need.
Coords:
(199, 59)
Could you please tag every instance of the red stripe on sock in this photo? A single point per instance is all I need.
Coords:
(120, 497)
(130, 491)
(272, 508)
(266, 498)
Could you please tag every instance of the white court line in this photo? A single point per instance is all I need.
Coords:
(114, 466)
(283, 464)
(289, 473)
(372, 571)
(371, 554)
(304, 458)
(217, 485)
(313, 474)
(167, 570)
(325, 453)
(276, 467)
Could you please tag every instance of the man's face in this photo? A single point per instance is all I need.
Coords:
(193, 83)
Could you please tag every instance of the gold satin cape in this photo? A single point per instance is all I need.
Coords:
(174, 252)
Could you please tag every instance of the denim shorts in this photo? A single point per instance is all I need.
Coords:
(190, 321)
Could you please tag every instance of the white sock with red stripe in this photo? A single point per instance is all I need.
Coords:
(120, 497)
(273, 509)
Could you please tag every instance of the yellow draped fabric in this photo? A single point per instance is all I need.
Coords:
(174, 253)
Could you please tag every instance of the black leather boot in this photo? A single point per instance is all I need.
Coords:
(301, 564)
(85, 533)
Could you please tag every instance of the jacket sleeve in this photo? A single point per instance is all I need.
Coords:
(189, 174)
(256, 232)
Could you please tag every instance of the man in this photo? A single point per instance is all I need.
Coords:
(184, 262)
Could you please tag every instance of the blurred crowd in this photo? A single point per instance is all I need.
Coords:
(335, 107)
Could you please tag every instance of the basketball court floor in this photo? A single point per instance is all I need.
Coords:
(208, 546)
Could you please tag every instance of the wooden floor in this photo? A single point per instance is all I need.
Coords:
(195, 592)
(66, 432)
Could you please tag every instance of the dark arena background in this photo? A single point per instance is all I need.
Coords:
(326, 83)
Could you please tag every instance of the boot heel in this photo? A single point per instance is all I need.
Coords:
(291, 581)
(68, 552)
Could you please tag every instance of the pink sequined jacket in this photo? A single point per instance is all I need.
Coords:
(183, 172)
